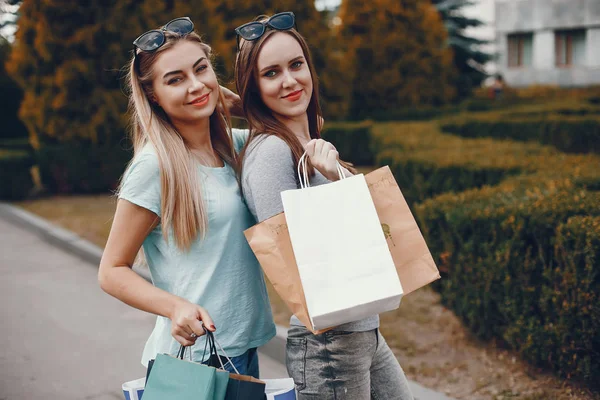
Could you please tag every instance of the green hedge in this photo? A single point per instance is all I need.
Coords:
(426, 163)
(352, 141)
(81, 167)
(16, 144)
(510, 275)
(15, 174)
(566, 133)
(575, 297)
(496, 214)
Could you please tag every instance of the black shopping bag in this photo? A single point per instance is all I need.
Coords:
(243, 387)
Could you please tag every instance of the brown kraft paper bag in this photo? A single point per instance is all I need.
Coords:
(270, 242)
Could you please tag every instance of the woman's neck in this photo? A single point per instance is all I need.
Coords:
(197, 139)
(196, 136)
(299, 126)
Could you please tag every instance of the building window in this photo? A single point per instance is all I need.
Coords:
(570, 48)
(520, 50)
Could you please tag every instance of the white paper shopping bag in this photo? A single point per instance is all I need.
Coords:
(280, 389)
(344, 262)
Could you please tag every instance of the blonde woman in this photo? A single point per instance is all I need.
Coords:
(180, 200)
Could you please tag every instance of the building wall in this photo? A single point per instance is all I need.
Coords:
(543, 18)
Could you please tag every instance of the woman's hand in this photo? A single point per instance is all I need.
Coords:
(188, 321)
(324, 157)
(233, 103)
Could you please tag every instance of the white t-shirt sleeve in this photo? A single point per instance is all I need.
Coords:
(141, 183)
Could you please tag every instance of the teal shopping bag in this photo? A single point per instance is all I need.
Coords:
(174, 378)
(221, 381)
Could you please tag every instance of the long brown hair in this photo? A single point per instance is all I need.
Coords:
(260, 118)
(182, 206)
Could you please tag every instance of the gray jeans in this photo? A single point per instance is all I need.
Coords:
(344, 365)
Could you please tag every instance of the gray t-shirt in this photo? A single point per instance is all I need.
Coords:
(268, 169)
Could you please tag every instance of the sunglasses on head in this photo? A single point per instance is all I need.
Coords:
(152, 40)
(255, 29)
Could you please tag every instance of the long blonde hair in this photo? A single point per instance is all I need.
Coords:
(182, 207)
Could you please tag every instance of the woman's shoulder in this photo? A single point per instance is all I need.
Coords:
(144, 165)
(268, 144)
(267, 153)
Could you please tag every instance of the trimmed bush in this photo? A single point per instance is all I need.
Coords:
(504, 239)
(407, 114)
(352, 141)
(81, 167)
(15, 174)
(575, 297)
(506, 250)
(426, 163)
(569, 134)
(16, 144)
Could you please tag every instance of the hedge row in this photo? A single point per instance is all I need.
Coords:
(16, 144)
(522, 269)
(576, 295)
(81, 167)
(352, 141)
(566, 133)
(426, 163)
(511, 224)
(543, 93)
(15, 174)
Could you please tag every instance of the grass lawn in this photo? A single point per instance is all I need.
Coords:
(433, 347)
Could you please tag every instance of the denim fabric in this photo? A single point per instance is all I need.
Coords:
(344, 365)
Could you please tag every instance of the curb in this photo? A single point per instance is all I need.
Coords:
(88, 251)
(57, 236)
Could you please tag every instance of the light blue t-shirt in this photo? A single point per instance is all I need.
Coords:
(219, 272)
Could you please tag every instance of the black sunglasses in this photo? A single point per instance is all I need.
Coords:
(255, 29)
(152, 40)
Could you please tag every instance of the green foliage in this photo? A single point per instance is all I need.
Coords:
(12, 94)
(510, 276)
(516, 226)
(16, 144)
(80, 166)
(427, 163)
(352, 141)
(68, 60)
(468, 57)
(398, 55)
(575, 297)
(15, 174)
(567, 133)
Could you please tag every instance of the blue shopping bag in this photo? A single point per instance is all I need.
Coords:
(133, 390)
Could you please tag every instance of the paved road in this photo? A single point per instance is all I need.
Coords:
(61, 336)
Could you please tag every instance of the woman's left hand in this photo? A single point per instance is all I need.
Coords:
(324, 157)
(233, 103)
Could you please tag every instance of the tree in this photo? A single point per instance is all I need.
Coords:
(469, 58)
(12, 94)
(398, 53)
(68, 59)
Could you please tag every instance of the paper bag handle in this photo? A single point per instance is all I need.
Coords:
(303, 174)
(210, 342)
